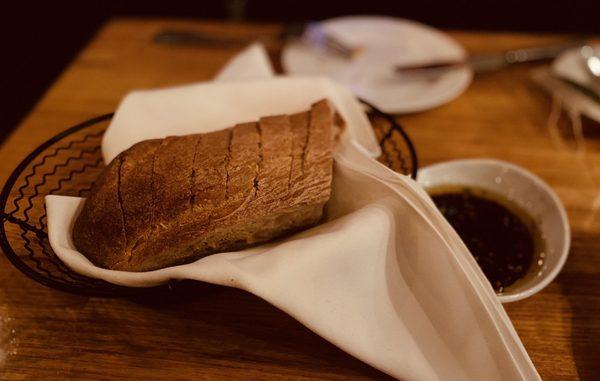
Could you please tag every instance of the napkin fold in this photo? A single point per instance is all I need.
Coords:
(385, 278)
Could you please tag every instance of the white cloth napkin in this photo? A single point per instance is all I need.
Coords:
(385, 278)
(251, 63)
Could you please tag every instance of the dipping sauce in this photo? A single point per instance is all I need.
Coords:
(502, 237)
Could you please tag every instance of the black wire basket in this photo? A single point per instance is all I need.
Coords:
(68, 165)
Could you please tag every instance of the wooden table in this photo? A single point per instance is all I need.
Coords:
(211, 332)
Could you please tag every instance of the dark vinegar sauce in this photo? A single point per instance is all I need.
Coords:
(501, 240)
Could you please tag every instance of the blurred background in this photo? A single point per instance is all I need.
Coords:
(41, 38)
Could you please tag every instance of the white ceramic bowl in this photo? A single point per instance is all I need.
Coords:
(527, 191)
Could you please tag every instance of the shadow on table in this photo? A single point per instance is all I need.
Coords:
(252, 331)
(583, 294)
(573, 134)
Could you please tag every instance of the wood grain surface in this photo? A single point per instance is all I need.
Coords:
(214, 333)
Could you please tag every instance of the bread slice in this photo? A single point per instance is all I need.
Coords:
(171, 201)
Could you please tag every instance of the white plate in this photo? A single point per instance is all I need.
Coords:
(526, 190)
(385, 42)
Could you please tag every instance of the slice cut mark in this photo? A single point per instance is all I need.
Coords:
(317, 170)
(259, 162)
(135, 186)
(193, 173)
(243, 164)
(276, 160)
(227, 161)
(120, 202)
(172, 168)
(299, 123)
(210, 166)
(96, 232)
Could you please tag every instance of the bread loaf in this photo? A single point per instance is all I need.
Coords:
(170, 201)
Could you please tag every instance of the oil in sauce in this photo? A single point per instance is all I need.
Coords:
(503, 239)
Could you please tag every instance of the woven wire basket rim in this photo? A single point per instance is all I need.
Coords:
(114, 290)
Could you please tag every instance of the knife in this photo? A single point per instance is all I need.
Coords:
(490, 62)
(312, 33)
